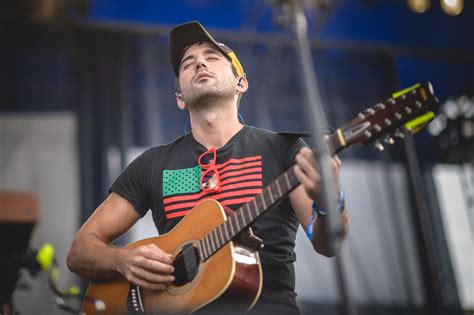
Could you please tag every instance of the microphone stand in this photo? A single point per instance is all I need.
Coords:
(298, 23)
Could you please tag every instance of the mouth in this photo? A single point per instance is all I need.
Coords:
(202, 76)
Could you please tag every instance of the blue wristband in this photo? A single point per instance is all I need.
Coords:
(340, 205)
(319, 212)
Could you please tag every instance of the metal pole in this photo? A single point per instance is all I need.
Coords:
(298, 24)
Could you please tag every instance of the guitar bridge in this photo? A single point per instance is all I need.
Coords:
(135, 300)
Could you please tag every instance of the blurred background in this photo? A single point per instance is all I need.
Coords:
(86, 86)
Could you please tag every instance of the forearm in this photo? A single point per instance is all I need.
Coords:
(320, 235)
(93, 259)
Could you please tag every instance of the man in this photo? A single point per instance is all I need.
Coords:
(172, 178)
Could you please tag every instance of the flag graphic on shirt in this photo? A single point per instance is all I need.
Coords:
(241, 180)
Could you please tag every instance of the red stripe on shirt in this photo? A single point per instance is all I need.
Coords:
(202, 194)
(241, 178)
(177, 214)
(216, 197)
(224, 203)
(239, 166)
(246, 171)
(250, 158)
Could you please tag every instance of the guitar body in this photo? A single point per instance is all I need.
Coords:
(231, 278)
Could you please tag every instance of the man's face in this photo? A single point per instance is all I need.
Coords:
(205, 72)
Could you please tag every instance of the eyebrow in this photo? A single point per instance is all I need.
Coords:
(208, 51)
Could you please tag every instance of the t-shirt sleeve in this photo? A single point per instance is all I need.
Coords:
(134, 182)
(291, 145)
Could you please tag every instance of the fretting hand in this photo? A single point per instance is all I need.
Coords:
(308, 173)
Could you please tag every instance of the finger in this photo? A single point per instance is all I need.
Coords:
(151, 277)
(152, 264)
(157, 266)
(306, 151)
(335, 166)
(152, 251)
(309, 184)
(147, 285)
(308, 154)
(307, 166)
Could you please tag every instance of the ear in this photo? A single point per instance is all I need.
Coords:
(180, 101)
(242, 84)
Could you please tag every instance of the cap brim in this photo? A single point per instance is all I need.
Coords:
(187, 34)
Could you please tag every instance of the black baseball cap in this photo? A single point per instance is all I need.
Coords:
(193, 32)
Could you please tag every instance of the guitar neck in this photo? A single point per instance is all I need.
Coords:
(249, 212)
(409, 108)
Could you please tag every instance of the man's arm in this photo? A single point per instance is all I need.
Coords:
(310, 190)
(92, 257)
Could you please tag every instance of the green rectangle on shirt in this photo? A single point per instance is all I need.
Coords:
(181, 181)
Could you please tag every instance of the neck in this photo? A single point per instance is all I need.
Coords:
(215, 127)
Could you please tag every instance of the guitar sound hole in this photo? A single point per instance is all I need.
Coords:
(186, 265)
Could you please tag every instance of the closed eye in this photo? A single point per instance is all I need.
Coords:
(186, 66)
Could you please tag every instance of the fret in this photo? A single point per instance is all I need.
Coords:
(231, 227)
(278, 187)
(237, 228)
(255, 206)
(209, 240)
(294, 181)
(216, 236)
(201, 250)
(226, 231)
(272, 200)
(237, 220)
(242, 218)
(287, 180)
(208, 248)
(247, 207)
(214, 240)
(222, 240)
(263, 201)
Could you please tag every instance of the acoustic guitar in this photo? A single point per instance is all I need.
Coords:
(216, 261)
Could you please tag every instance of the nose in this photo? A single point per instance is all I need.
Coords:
(200, 63)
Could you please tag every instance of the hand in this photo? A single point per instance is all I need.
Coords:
(307, 172)
(147, 266)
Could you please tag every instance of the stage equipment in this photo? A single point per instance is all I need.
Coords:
(452, 7)
(453, 129)
(419, 6)
(18, 216)
(45, 12)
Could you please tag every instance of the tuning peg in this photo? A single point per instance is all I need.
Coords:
(370, 111)
(399, 134)
(389, 140)
(378, 146)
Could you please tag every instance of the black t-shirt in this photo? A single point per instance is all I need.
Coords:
(166, 179)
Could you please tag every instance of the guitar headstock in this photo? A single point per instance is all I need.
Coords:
(409, 109)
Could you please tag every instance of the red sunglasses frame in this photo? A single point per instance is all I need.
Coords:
(210, 167)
